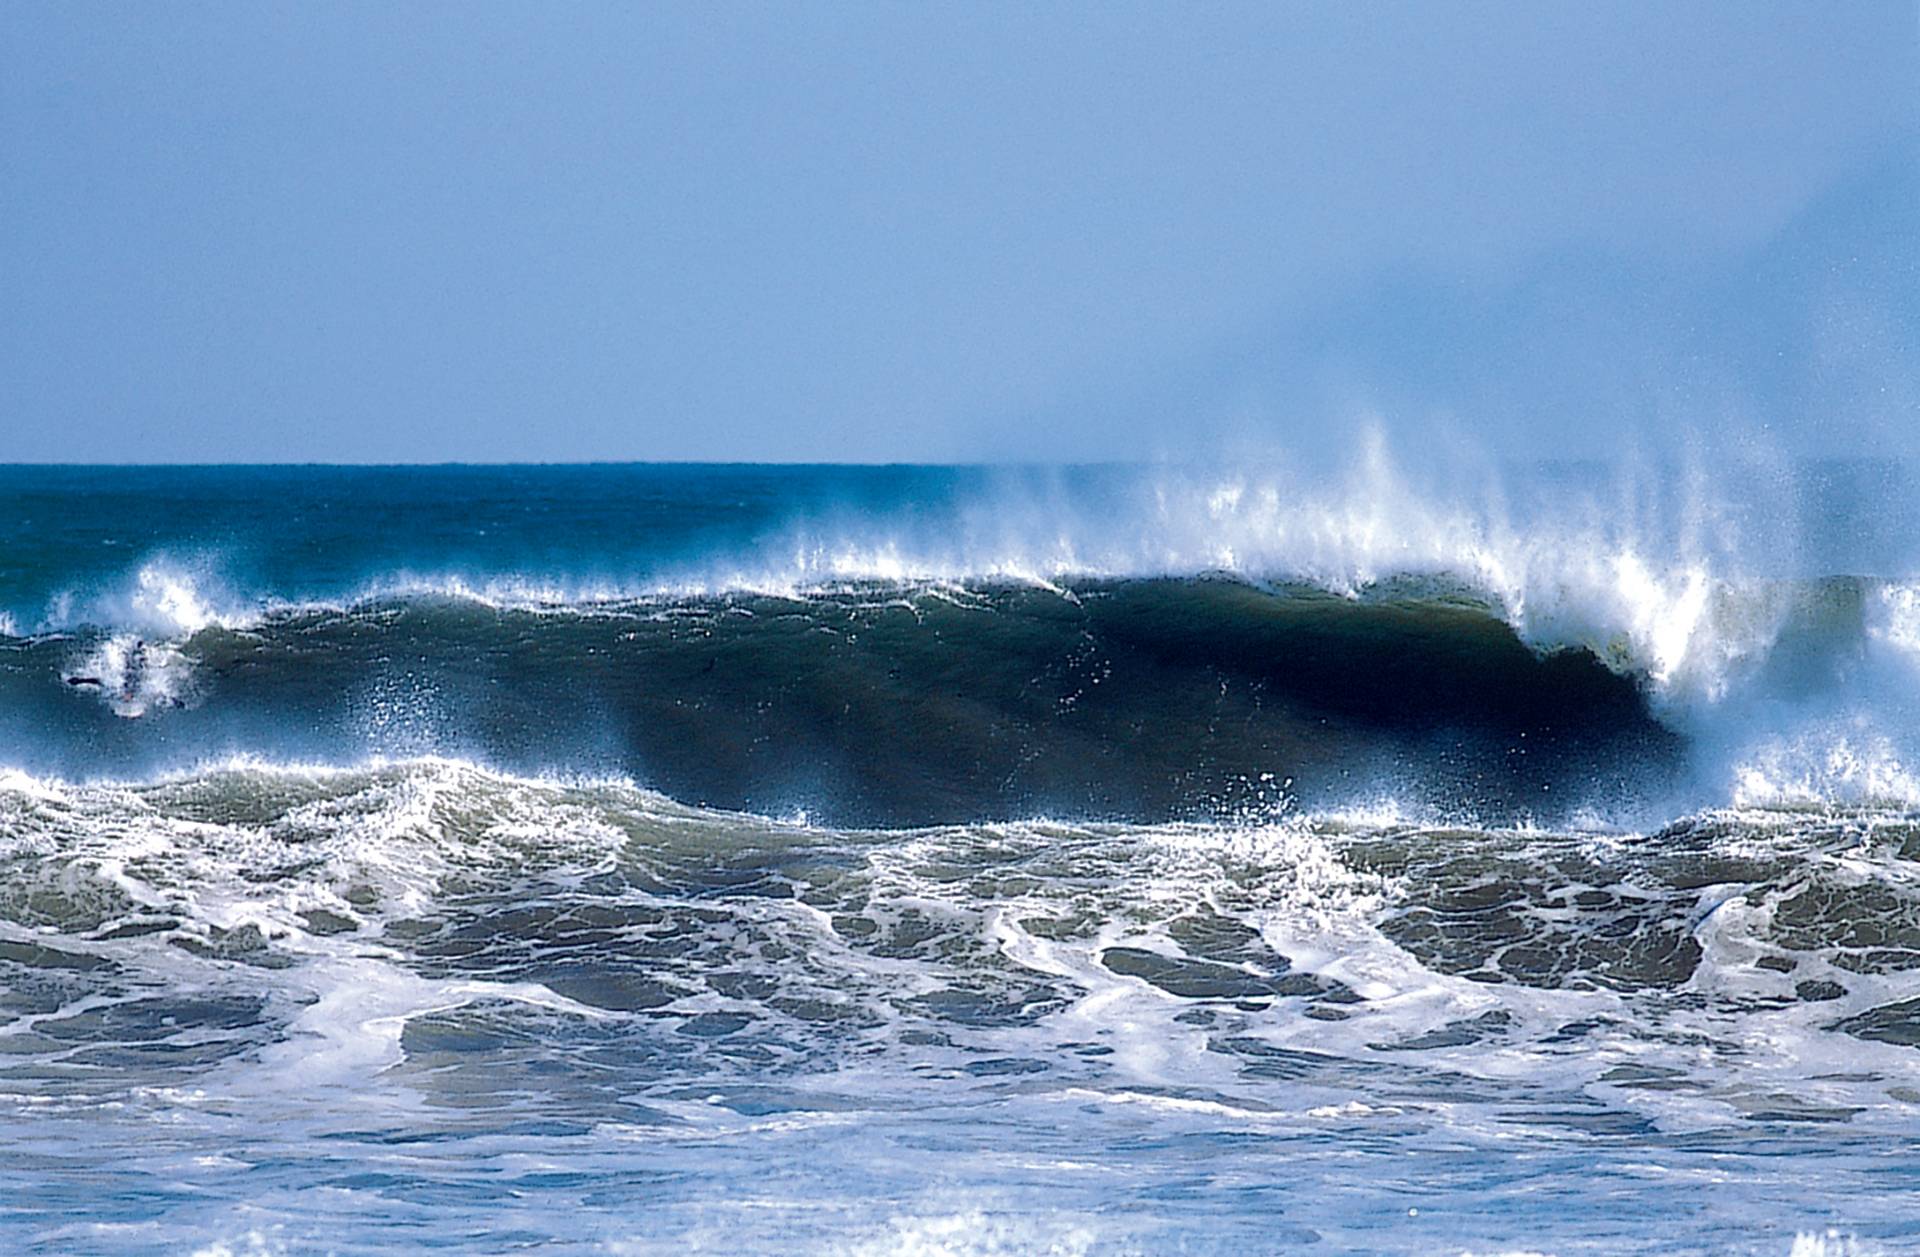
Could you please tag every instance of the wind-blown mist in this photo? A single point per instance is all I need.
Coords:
(1802, 345)
(1764, 614)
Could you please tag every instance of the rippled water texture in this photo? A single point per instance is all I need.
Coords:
(427, 1005)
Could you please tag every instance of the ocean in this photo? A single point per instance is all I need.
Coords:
(1401, 858)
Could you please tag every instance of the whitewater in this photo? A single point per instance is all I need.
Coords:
(1414, 856)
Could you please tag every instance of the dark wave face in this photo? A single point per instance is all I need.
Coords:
(1137, 700)
(907, 645)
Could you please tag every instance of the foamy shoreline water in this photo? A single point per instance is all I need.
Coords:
(283, 964)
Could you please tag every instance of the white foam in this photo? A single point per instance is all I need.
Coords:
(352, 1031)
(167, 596)
(1894, 619)
(134, 677)
(254, 1243)
(1024, 911)
(976, 1233)
(170, 597)
(1830, 1244)
(1845, 762)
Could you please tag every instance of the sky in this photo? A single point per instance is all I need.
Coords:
(989, 231)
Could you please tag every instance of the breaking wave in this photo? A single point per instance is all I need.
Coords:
(1574, 638)
(803, 860)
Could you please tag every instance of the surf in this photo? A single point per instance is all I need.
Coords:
(912, 645)
(405, 956)
(1127, 818)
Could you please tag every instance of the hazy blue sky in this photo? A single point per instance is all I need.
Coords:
(878, 232)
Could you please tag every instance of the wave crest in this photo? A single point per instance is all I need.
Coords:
(1785, 657)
